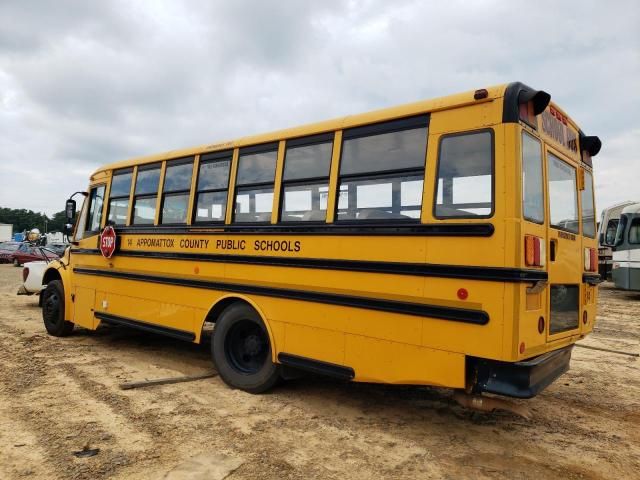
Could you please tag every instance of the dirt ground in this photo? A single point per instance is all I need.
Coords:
(60, 395)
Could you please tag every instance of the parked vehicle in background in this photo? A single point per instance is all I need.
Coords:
(6, 250)
(625, 269)
(606, 236)
(58, 247)
(29, 253)
(32, 274)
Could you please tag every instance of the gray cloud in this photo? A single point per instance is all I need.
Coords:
(85, 83)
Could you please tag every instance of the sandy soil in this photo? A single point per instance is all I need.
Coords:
(60, 395)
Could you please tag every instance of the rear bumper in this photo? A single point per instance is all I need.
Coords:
(519, 379)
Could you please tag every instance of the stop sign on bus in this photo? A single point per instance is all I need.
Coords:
(108, 241)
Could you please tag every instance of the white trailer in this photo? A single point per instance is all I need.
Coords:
(6, 232)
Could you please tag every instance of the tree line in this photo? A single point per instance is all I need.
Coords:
(23, 219)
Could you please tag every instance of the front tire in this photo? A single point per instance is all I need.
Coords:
(53, 310)
(241, 350)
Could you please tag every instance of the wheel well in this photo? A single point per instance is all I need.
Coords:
(222, 304)
(49, 275)
(219, 307)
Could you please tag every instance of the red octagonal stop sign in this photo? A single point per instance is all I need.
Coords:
(108, 241)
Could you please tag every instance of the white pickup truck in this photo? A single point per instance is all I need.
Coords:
(32, 274)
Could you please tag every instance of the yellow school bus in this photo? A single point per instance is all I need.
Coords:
(447, 242)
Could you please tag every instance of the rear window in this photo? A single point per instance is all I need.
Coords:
(532, 183)
(563, 199)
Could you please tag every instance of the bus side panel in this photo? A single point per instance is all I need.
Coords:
(164, 313)
(84, 300)
(382, 361)
(317, 343)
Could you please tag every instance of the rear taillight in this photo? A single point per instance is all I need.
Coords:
(25, 274)
(590, 260)
(534, 254)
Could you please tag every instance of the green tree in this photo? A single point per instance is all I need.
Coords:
(57, 221)
(23, 219)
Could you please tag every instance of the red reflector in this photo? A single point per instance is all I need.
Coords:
(480, 94)
(522, 347)
(541, 325)
(585, 318)
(594, 259)
(25, 274)
(463, 294)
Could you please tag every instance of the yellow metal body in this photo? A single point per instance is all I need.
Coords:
(380, 346)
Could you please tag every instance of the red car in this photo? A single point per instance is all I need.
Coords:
(6, 250)
(28, 253)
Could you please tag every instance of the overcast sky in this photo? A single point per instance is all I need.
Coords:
(86, 83)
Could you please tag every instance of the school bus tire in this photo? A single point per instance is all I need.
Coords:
(241, 350)
(53, 310)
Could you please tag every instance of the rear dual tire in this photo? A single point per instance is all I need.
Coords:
(241, 350)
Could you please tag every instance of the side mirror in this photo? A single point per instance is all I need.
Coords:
(70, 210)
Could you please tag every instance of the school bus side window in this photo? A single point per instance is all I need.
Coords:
(532, 182)
(176, 189)
(382, 170)
(465, 176)
(588, 209)
(119, 196)
(144, 200)
(213, 182)
(306, 178)
(96, 202)
(254, 192)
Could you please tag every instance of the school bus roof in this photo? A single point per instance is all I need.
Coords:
(400, 111)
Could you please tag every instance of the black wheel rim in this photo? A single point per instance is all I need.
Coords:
(246, 347)
(51, 306)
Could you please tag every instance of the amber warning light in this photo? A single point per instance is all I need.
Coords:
(534, 253)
